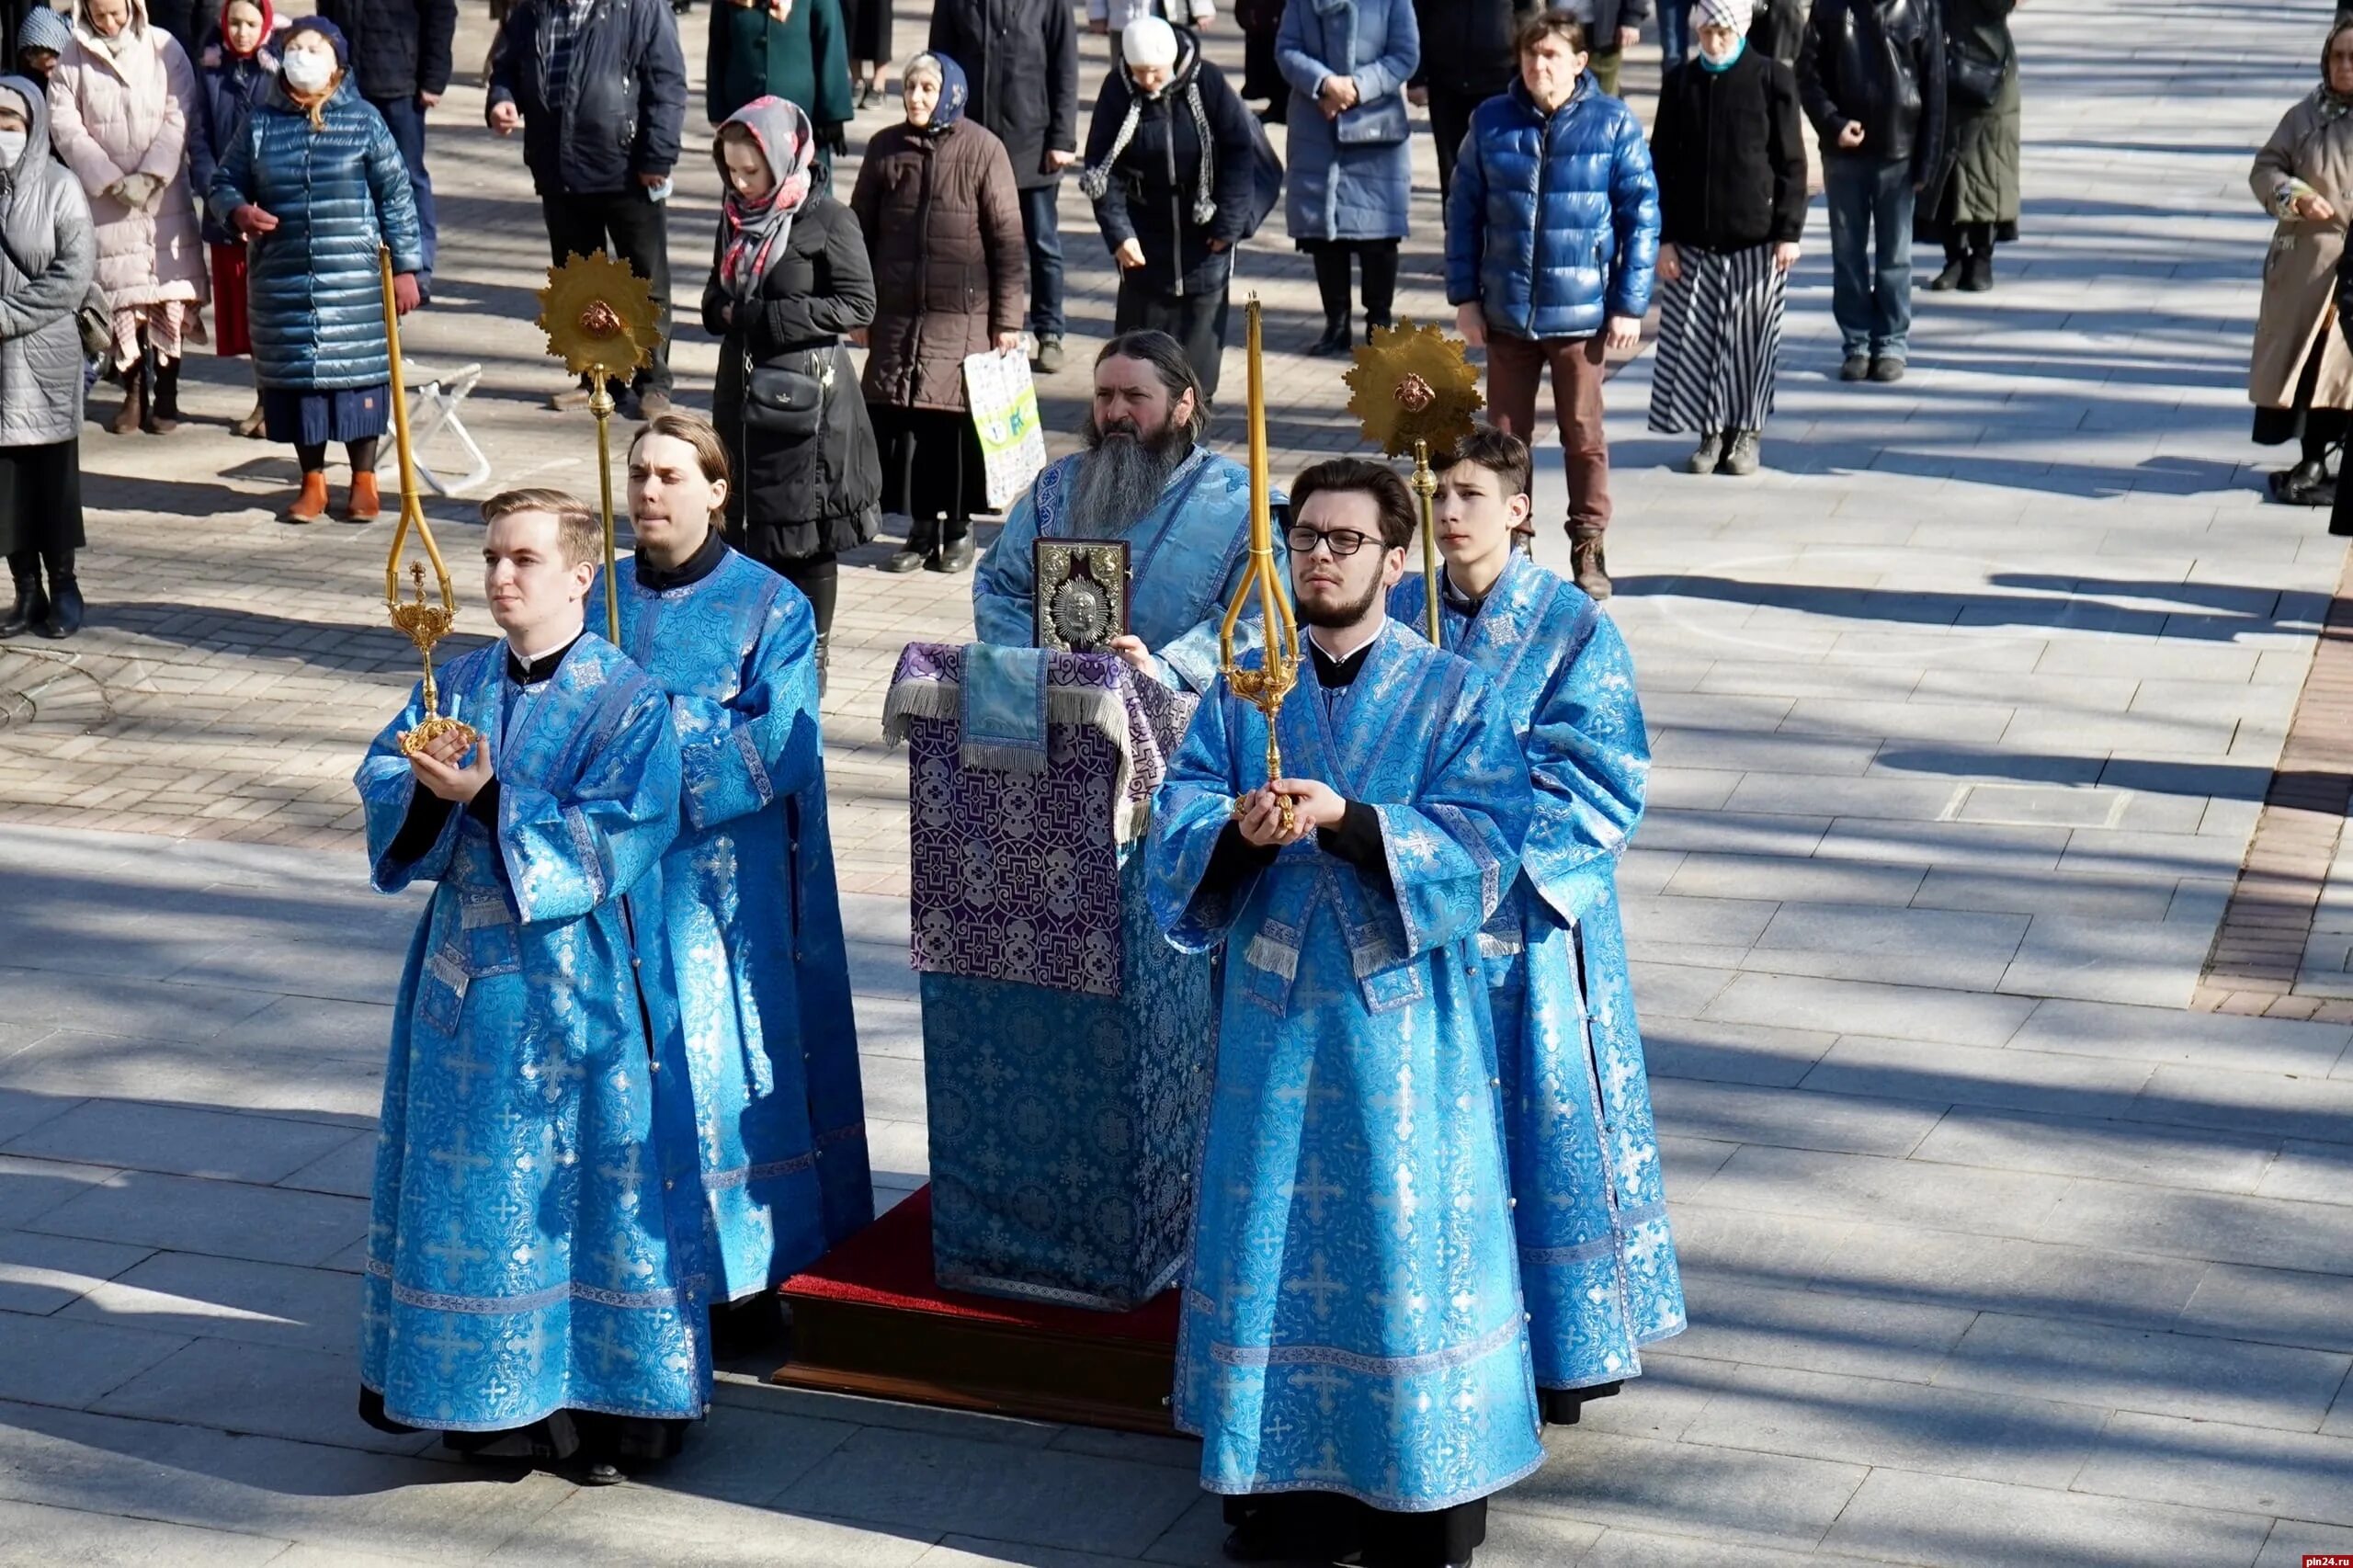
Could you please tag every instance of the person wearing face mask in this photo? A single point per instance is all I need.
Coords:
(1169, 164)
(235, 71)
(1729, 152)
(791, 280)
(750, 908)
(47, 255)
(937, 201)
(121, 104)
(317, 184)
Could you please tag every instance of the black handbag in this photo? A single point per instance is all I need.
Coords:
(780, 402)
(1973, 80)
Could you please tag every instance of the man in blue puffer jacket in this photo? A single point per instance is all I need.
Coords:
(1551, 233)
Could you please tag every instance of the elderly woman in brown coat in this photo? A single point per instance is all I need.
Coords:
(942, 217)
(2300, 380)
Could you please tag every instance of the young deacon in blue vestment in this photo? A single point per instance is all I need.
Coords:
(1596, 1259)
(1352, 1324)
(533, 1285)
(751, 912)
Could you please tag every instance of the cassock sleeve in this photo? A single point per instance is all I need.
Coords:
(1189, 661)
(400, 850)
(1455, 848)
(567, 854)
(1589, 760)
(767, 743)
(1186, 886)
(1002, 588)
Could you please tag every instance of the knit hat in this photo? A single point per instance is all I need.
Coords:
(43, 29)
(1733, 14)
(1148, 41)
(327, 30)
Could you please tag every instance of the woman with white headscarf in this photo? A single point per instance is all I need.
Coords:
(791, 280)
(1729, 157)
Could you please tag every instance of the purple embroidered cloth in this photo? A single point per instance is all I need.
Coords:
(1015, 876)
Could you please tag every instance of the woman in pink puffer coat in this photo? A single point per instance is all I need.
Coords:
(120, 101)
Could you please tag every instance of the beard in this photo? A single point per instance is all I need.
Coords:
(1122, 473)
(1336, 616)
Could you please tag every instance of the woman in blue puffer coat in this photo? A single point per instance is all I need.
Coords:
(1351, 178)
(316, 184)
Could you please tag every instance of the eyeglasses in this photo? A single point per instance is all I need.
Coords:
(1341, 542)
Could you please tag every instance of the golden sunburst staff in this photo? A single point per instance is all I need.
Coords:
(423, 623)
(1413, 390)
(1265, 687)
(599, 319)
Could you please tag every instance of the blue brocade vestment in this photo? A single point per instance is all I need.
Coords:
(754, 919)
(535, 1243)
(1352, 1321)
(1595, 1257)
(1185, 556)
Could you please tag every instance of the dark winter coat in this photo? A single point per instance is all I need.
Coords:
(1466, 44)
(1981, 166)
(228, 90)
(1729, 153)
(1153, 187)
(1021, 57)
(799, 498)
(399, 48)
(803, 59)
(942, 222)
(1552, 225)
(624, 104)
(1881, 64)
(313, 286)
(188, 21)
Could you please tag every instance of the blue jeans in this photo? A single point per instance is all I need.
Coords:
(404, 118)
(1870, 252)
(1674, 34)
(1042, 228)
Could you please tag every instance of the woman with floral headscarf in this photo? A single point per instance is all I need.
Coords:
(119, 101)
(789, 282)
(937, 201)
(2301, 377)
(315, 184)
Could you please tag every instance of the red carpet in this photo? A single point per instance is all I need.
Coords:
(887, 1264)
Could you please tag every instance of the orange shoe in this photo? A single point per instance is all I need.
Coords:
(312, 503)
(363, 505)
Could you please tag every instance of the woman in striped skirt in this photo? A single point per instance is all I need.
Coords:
(1732, 196)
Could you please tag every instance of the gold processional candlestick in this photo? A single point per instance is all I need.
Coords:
(1413, 390)
(1265, 687)
(599, 315)
(423, 623)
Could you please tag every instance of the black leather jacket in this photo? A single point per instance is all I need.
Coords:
(1881, 63)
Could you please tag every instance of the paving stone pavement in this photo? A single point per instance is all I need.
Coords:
(1964, 713)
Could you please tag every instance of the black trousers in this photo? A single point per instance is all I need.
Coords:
(634, 229)
(1449, 123)
(1197, 320)
(931, 465)
(1324, 1526)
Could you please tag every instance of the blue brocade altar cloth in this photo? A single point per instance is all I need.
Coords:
(1066, 1044)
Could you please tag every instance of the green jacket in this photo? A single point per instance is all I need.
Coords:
(804, 57)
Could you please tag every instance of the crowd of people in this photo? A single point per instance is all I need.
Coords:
(242, 171)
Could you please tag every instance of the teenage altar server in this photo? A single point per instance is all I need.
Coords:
(1596, 1259)
(533, 1285)
(1354, 1357)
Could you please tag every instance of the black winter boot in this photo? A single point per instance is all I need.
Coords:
(923, 538)
(955, 552)
(32, 601)
(163, 408)
(64, 618)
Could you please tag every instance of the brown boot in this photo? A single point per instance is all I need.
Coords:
(133, 412)
(312, 503)
(1587, 565)
(250, 425)
(363, 505)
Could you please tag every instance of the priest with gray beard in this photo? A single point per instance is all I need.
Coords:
(1145, 477)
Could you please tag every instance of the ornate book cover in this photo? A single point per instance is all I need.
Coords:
(1081, 601)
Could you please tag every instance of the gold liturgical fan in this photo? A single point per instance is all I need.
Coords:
(599, 319)
(423, 621)
(1415, 391)
(1265, 687)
